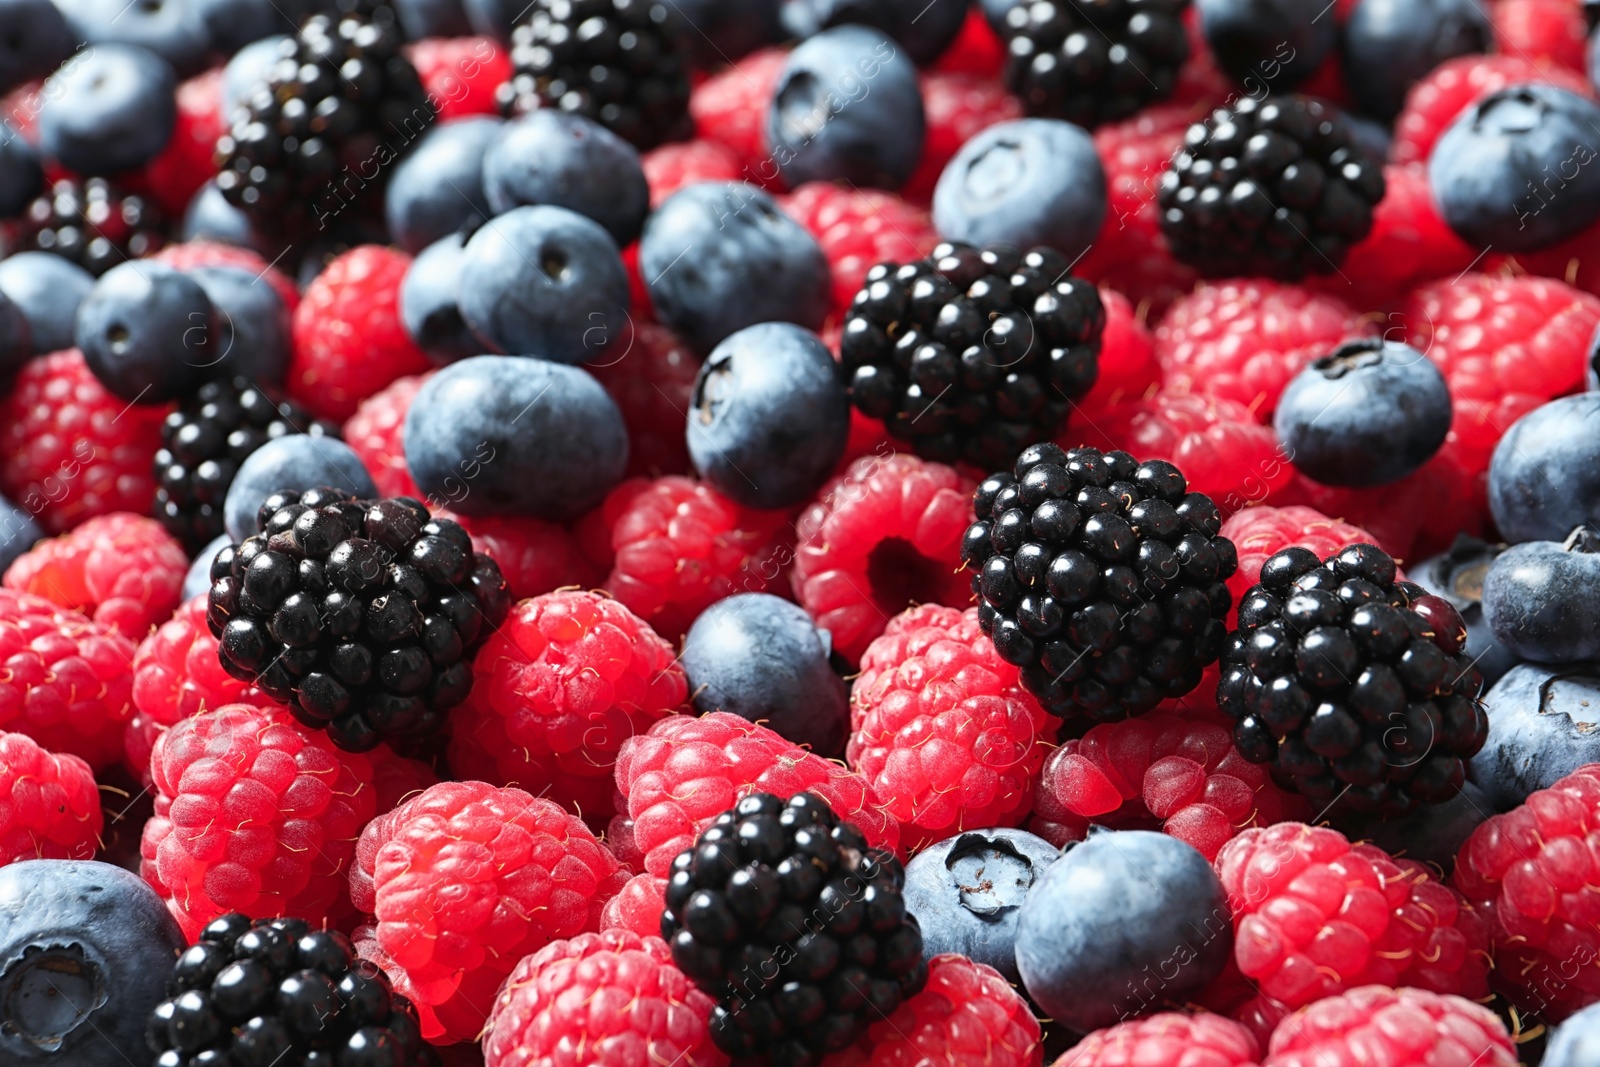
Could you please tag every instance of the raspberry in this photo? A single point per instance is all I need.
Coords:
(349, 341)
(1529, 870)
(883, 536)
(185, 164)
(1128, 367)
(967, 1013)
(534, 555)
(191, 254)
(638, 906)
(254, 813)
(1441, 501)
(1455, 85)
(375, 433)
(608, 998)
(1260, 532)
(64, 680)
(71, 449)
(1378, 1027)
(684, 772)
(1157, 772)
(49, 806)
(731, 107)
(858, 229)
(124, 571)
(1244, 340)
(652, 381)
(460, 74)
(1168, 1038)
(397, 778)
(465, 879)
(942, 728)
(673, 166)
(675, 547)
(1551, 33)
(556, 693)
(957, 107)
(976, 50)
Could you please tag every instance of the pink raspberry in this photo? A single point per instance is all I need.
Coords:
(375, 434)
(731, 107)
(637, 907)
(535, 555)
(1202, 1040)
(1551, 33)
(858, 229)
(957, 107)
(186, 163)
(461, 74)
(49, 806)
(1379, 1027)
(1128, 366)
(976, 49)
(679, 163)
(1442, 501)
(124, 571)
(651, 377)
(1261, 532)
(1455, 85)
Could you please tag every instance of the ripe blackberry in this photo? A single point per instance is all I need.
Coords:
(92, 223)
(1351, 684)
(254, 994)
(1103, 578)
(614, 61)
(972, 354)
(1093, 63)
(202, 445)
(362, 616)
(783, 913)
(1277, 186)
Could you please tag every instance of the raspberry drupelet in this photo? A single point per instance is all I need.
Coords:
(49, 806)
(1376, 1026)
(1202, 1040)
(637, 906)
(124, 571)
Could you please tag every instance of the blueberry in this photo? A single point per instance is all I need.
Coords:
(1116, 910)
(172, 29)
(85, 953)
(1542, 598)
(18, 532)
(1369, 414)
(428, 305)
(34, 40)
(1544, 477)
(718, 32)
(114, 109)
(252, 337)
(1388, 45)
(248, 68)
(198, 579)
(507, 435)
(1544, 723)
(438, 187)
(554, 157)
(924, 28)
(847, 108)
(1592, 374)
(49, 290)
(1024, 183)
(761, 657)
(1517, 170)
(1268, 45)
(293, 463)
(209, 217)
(545, 282)
(236, 24)
(1434, 833)
(493, 18)
(967, 892)
(1576, 1042)
(432, 18)
(149, 332)
(16, 338)
(21, 175)
(1372, 136)
(769, 417)
(1457, 575)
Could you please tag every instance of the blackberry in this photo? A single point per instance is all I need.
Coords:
(1280, 186)
(1103, 578)
(361, 615)
(618, 62)
(1352, 684)
(91, 223)
(971, 355)
(279, 993)
(1093, 63)
(783, 912)
(202, 445)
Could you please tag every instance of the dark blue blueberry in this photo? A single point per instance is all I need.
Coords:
(18, 532)
(1576, 1042)
(1434, 833)
(924, 28)
(769, 417)
(172, 29)
(720, 256)
(967, 892)
(21, 176)
(115, 109)
(34, 40)
(209, 217)
(198, 579)
(293, 463)
(1113, 911)
(1372, 136)
(48, 289)
(1024, 183)
(558, 158)
(1268, 45)
(149, 332)
(1542, 598)
(1593, 53)
(86, 950)
(1592, 375)
(1542, 726)
(428, 305)
(508, 435)
(1544, 477)
(16, 338)
(438, 187)
(432, 18)
(1517, 171)
(236, 24)
(716, 32)
(1390, 44)
(248, 68)
(253, 332)
(761, 657)
(1369, 414)
(847, 108)
(1457, 575)
(545, 282)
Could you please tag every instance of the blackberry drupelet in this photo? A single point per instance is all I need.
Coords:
(1351, 684)
(1093, 63)
(1279, 186)
(278, 993)
(617, 62)
(971, 355)
(784, 914)
(361, 615)
(91, 223)
(1103, 578)
(202, 445)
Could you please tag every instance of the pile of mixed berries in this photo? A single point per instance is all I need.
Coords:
(800, 533)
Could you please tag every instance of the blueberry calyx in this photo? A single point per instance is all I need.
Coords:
(991, 875)
(50, 990)
(1584, 538)
(1350, 356)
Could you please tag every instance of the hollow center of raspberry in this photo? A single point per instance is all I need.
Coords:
(991, 875)
(48, 992)
(901, 576)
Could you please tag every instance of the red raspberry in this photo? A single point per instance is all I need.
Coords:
(685, 771)
(185, 164)
(1441, 499)
(731, 107)
(64, 681)
(536, 556)
(461, 74)
(1378, 1027)
(1455, 85)
(1551, 33)
(465, 879)
(1530, 871)
(966, 1014)
(883, 536)
(1261, 532)
(679, 163)
(942, 728)
(49, 806)
(190, 254)
(637, 907)
(396, 778)
(557, 691)
(1128, 366)
(675, 546)
(858, 229)
(613, 998)
(652, 381)
(1244, 340)
(1202, 1040)
(375, 433)
(957, 108)
(71, 449)
(976, 50)
(124, 571)
(349, 341)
